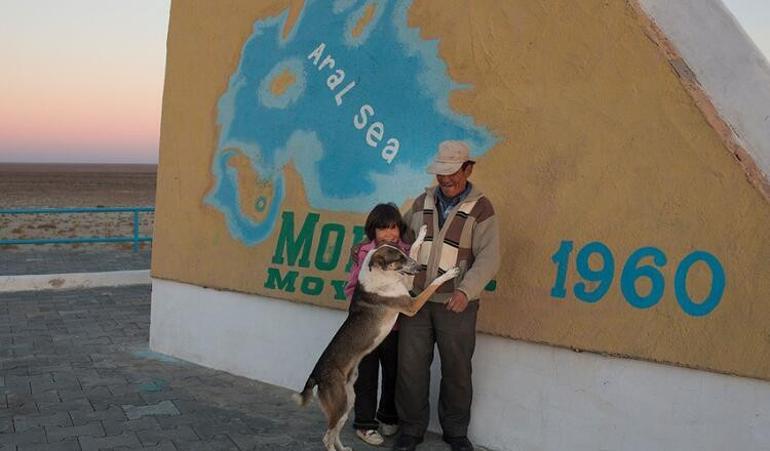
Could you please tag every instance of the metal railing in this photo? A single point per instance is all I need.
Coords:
(136, 238)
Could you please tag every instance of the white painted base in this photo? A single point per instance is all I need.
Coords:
(32, 282)
(527, 397)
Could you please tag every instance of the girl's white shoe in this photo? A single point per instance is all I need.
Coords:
(370, 436)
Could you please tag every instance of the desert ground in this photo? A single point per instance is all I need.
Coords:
(25, 186)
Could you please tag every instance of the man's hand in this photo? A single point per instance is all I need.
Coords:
(458, 302)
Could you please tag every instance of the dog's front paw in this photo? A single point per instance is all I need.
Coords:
(421, 234)
(452, 273)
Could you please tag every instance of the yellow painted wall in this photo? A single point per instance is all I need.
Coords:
(596, 140)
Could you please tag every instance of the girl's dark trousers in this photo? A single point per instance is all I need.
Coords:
(367, 413)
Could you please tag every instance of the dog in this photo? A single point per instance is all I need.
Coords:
(382, 293)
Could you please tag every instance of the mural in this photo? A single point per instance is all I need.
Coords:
(627, 226)
(353, 98)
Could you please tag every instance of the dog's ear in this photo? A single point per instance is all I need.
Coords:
(377, 260)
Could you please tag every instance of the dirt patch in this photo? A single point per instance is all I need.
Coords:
(28, 186)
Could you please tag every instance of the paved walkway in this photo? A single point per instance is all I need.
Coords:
(46, 260)
(76, 373)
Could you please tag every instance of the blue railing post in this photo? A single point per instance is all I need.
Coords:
(136, 231)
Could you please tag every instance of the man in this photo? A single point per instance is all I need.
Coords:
(462, 232)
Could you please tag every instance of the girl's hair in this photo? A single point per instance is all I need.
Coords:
(383, 216)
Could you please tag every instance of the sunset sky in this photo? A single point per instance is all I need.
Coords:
(82, 80)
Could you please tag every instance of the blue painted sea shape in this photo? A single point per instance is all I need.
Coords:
(352, 97)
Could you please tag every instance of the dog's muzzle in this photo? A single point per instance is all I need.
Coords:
(411, 267)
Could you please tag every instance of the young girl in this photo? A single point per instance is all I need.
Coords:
(384, 224)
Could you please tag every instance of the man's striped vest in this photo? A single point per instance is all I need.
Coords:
(456, 240)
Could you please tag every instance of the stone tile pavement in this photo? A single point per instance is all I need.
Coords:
(47, 260)
(76, 374)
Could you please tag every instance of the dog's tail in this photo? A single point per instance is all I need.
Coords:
(304, 397)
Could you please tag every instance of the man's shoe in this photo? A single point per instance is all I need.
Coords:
(407, 443)
(459, 443)
(388, 429)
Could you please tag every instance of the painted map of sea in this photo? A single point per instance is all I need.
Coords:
(352, 97)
